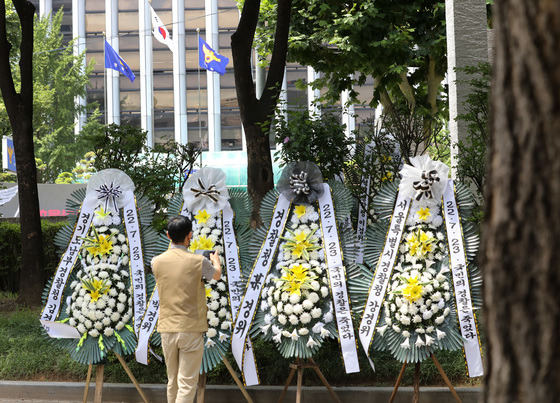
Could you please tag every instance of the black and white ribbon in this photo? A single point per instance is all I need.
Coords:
(298, 183)
(147, 327)
(363, 206)
(458, 263)
(383, 272)
(423, 187)
(337, 277)
(109, 194)
(236, 288)
(212, 192)
(51, 309)
(248, 306)
(137, 274)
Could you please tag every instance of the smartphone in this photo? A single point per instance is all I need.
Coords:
(205, 253)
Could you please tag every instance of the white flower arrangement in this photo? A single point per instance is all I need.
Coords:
(100, 303)
(294, 300)
(418, 300)
(207, 235)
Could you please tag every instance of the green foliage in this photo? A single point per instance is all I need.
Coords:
(319, 139)
(471, 166)
(10, 252)
(348, 41)
(58, 78)
(157, 172)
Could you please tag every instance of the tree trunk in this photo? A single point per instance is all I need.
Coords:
(520, 253)
(20, 111)
(257, 114)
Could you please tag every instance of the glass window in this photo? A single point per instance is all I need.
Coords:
(194, 18)
(95, 22)
(163, 99)
(128, 21)
(130, 100)
(228, 19)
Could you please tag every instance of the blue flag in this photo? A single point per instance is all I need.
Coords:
(115, 62)
(209, 59)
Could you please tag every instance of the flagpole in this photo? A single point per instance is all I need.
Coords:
(199, 117)
(104, 79)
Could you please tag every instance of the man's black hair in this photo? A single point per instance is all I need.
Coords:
(178, 228)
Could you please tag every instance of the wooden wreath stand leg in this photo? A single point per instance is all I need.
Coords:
(99, 381)
(202, 383)
(300, 366)
(416, 397)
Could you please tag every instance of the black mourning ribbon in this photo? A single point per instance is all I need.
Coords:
(109, 194)
(212, 192)
(424, 187)
(298, 183)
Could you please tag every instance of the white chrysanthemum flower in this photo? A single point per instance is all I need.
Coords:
(329, 316)
(211, 332)
(388, 320)
(72, 322)
(273, 311)
(318, 327)
(285, 297)
(214, 305)
(439, 320)
(303, 331)
(223, 301)
(307, 304)
(221, 286)
(426, 315)
(210, 314)
(285, 333)
(98, 325)
(214, 294)
(108, 331)
(396, 328)
(282, 319)
(214, 322)
(125, 261)
(305, 318)
(446, 311)
(81, 328)
(226, 325)
(405, 320)
(106, 321)
(119, 325)
(420, 330)
(120, 307)
(294, 320)
(313, 297)
(122, 297)
(294, 298)
(222, 312)
(88, 323)
(406, 333)
(120, 286)
(297, 309)
(94, 333)
(115, 316)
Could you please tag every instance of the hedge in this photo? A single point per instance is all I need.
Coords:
(10, 252)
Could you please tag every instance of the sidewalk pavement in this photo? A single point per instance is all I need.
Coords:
(70, 392)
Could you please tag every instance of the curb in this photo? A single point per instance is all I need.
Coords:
(117, 392)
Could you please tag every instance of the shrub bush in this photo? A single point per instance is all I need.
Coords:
(10, 252)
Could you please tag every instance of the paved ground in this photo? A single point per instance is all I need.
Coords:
(70, 392)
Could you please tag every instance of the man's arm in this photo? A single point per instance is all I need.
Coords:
(215, 259)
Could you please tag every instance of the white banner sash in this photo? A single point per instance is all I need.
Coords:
(147, 327)
(6, 195)
(383, 273)
(248, 305)
(236, 287)
(458, 263)
(337, 277)
(363, 207)
(54, 299)
(138, 277)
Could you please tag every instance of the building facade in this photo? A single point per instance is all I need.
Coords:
(172, 97)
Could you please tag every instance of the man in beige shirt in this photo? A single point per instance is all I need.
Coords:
(182, 322)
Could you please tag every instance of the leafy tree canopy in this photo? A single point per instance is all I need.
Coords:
(401, 44)
(58, 78)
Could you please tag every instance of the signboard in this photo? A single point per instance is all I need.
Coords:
(52, 199)
(8, 155)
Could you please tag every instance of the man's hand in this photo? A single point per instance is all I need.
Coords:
(215, 259)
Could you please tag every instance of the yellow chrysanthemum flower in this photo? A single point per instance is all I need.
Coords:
(202, 216)
(205, 243)
(96, 288)
(424, 214)
(300, 210)
(413, 290)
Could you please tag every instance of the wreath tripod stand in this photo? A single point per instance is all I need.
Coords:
(202, 383)
(99, 381)
(299, 366)
(416, 398)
